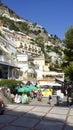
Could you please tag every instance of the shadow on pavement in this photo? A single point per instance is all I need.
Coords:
(36, 117)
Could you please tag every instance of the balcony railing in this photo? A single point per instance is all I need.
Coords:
(5, 59)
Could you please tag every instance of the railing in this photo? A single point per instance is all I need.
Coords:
(5, 59)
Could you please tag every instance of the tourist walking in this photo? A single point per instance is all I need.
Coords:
(39, 95)
(50, 91)
(58, 96)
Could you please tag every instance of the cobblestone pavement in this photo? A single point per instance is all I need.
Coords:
(37, 116)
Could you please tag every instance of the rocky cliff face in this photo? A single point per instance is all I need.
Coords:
(5, 11)
(38, 34)
(32, 29)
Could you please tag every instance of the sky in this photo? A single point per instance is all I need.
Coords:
(56, 16)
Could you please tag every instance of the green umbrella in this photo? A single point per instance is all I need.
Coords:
(32, 88)
(26, 89)
(20, 89)
(23, 89)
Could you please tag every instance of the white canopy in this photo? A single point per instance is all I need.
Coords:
(49, 84)
(54, 84)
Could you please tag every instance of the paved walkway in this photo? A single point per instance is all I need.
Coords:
(37, 116)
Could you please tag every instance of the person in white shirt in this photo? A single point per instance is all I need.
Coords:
(58, 94)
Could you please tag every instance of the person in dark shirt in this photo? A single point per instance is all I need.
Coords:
(69, 89)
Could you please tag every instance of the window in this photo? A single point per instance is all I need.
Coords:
(1, 52)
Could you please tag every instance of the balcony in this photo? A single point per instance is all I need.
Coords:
(6, 60)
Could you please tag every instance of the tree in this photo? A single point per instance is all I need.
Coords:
(69, 72)
(68, 63)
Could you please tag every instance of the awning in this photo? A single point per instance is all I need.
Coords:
(54, 84)
(7, 64)
(49, 84)
(51, 73)
(60, 79)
